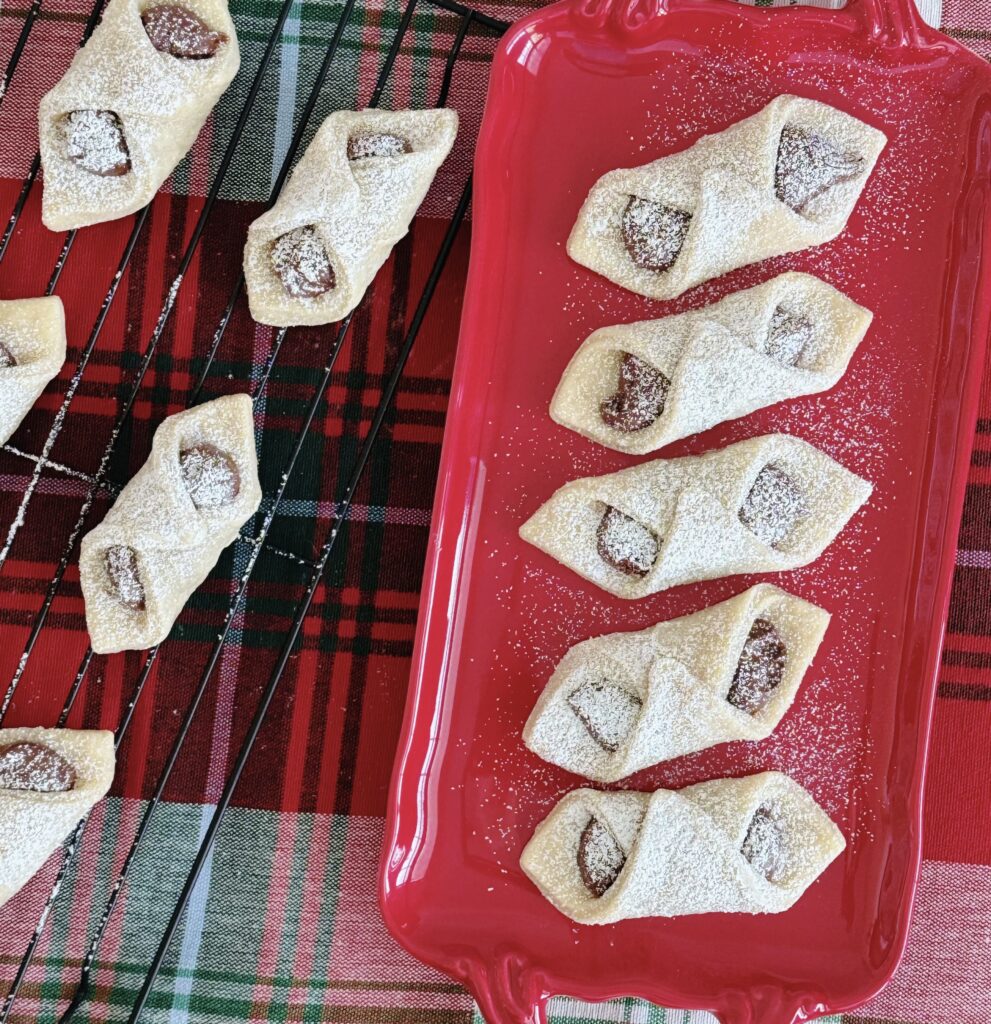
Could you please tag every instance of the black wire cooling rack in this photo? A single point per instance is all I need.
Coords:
(469, 21)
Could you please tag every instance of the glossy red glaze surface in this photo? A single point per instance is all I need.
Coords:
(576, 90)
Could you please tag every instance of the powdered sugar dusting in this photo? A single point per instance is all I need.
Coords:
(607, 710)
(600, 857)
(760, 668)
(210, 476)
(654, 233)
(363, 145)
(639, 398)
(301, 262)
(773, 506)
(94, 139)
(77, 771)
(179, 32)
(626, 544)
(788, 336)
(763, 845)
(34, 767)
(124, 577)
(808, 165)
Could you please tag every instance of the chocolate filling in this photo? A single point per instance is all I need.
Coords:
(654, 233)
(760, 669)
(607, 711)
(808, 165)
(302, 264)
(363, 145)
(123, 578)
(6, 357)
(176, 30)
(94, 140)
(600, 857)
(764, 845)
(625, 544)
(639, 397)
(773, 506)
(211, 476)
(33, 767)
(787, 336)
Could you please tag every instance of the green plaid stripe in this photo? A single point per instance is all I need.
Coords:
(236, 955)
(218, 965)
(309, 30)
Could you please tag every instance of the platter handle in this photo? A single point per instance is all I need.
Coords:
(890, 22)
(507, 991)
(625, 17)
(763, 1004)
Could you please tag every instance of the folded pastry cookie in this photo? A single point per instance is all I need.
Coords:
(49, 781)
(130, 106)
(763, 505)
(637, 387)
(784, 179)
(619, 703)
(351, 197)
(32, 351)
(750, 845)
(169, 525)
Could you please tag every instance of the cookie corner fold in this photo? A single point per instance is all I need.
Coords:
(169, 525)
(33, 350)
(310, 258)
(766, 504)
(748, 845)
(622, 702)
(34, 821)
(125, 113)
(786, 178)
(638, 387)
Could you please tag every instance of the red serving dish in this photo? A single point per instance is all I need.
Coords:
(578, 89)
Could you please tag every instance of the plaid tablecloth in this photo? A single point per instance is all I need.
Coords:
(284, 923)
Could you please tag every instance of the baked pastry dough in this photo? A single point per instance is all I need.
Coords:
(129, 108)
(784, 179)
(32, 351)
(638, 387)
(169, 525)
(351, 197)
(619, 703)
(763, 505)
(750, 845)
(49, 780)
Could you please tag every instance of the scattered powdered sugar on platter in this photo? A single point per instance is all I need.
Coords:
(537, 609)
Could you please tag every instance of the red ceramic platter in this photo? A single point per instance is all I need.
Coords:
(576, 90)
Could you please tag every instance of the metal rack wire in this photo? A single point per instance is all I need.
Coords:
(468, 20)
